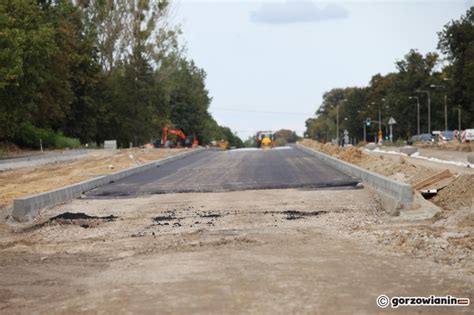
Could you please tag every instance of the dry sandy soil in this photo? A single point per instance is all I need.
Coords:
(37, 179)
(264, 252)
(448, 237)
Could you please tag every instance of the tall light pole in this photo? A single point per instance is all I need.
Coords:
(380, 114)
(459, 118)
(429, 107)
(445, 104)
(337, 119)
(380, 118)
(417, 112)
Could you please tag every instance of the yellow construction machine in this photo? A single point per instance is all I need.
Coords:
(265, 139)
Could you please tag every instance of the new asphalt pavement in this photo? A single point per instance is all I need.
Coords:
(233, 170)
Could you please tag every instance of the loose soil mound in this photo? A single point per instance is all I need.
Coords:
(400, 170)
(457, 195)
(78, 218)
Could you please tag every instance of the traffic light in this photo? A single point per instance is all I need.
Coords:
(367, 122)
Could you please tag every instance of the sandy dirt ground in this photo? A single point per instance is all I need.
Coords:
(37, 179)
(260, 252)
(447, 238)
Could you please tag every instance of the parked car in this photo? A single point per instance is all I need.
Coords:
(424, 137)
(447, 135)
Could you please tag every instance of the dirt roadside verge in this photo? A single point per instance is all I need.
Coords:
(270, 251)
(447, 238)
(36, 179)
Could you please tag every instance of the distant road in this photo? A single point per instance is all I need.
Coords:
(11, 163)
(215, 171)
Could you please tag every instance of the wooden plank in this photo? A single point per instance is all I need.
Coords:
(441, 184)
(433, 180)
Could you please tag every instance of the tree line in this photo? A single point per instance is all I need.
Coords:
(93, 70)
(446, 79)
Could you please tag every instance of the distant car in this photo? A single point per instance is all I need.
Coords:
(424, 137)
(469, 134)
(446, 135)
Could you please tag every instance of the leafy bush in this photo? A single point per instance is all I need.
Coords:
(31, 136)
(62, 142)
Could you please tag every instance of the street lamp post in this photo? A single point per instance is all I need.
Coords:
(417, 112)
(459, 118)
(337, 123)
(445, 104)
(429, 108)
(380, 117)
(337, 120)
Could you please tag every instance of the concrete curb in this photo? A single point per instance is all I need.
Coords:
(27, 208)
(394, 193)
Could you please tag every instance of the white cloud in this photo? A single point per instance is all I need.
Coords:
(292, 11)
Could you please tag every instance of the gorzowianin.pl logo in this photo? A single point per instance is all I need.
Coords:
(396, 301)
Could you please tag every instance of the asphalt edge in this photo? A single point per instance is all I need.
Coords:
(393, 194)
(27, 208)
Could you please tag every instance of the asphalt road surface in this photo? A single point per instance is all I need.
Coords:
(217, 171)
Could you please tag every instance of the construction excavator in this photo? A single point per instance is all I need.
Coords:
(265, 139)
(183, 140)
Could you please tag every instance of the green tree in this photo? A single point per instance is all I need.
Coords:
(289, 136)
(456, 41)
(27, 43)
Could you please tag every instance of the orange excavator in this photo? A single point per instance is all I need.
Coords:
(189, 142)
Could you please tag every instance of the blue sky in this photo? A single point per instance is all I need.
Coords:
(268, 63)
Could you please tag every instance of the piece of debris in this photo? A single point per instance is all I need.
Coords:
(209, 215)
(76, 218)
(294, 215)
(164, 218)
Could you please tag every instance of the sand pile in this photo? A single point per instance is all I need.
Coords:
(400, 170)
(459, 194)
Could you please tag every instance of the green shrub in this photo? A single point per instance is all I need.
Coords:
(27, 136)
(30, 136)
(62, 142)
